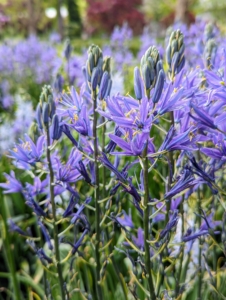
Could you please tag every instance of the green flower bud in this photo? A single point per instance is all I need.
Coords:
(94, 62)
(175, 53)
(149, 70)
(107, 65)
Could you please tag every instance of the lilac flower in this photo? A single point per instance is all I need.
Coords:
(38, 186)
(81, 122)
(71, 205)
(12, 185)
(203, 117)
(35, 206)
(172, 223)
(72, 101)
(139, 121)
(171, 100)
(125, 220)
(46, 234)
(111, 145)
(104, 160)
(14, 227)
(218, 153)
(181, 141)
(134, 146)
(42, 256)
(69, 172)
(195, 235)
(80, 209)
(139, 240)
(186, 181)
(27, 151)
(77, 244)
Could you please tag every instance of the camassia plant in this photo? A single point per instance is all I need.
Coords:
(127, 193)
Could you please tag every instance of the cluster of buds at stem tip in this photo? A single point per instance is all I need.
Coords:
(94, 66)
(45, 113)
(210, 53)
(152, 74)
(208, 32)
(175, 53)
(67, 49)
(97, 72)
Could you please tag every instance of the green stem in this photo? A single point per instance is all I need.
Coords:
(55, 228)
(96, 196)
(146, 225)
(182, 250)
(200, 251)
(9, 253)
(103, 169)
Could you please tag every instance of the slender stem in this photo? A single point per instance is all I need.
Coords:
(9, 254)
(55, 229)
(146, 225)
(97, 196)
(181, 249)
(171, 172)
(199, 296)
(103, 145)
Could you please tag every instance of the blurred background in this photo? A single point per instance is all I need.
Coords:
(83, 18)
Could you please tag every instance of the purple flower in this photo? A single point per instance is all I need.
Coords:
(46, 234)
(12, 185)
(186, 181)
(27, 151)
(125, 220)
(80, 209)
(69, 171)
(139, 240)
(134, 146)
(172, 223)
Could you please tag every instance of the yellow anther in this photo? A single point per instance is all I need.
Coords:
(104, 105)
(129, 113)
(222, 83)
(126, 135)
(75, 117)
(26, 146)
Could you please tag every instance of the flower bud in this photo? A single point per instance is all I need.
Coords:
(39, 116)
(150, 66)
(52, 106)
(55, 130)
(103, 86)
(45, 113)
(210, 53)
(94, 64)
(67, 50)
(158, 87)
(107, 65)
(138, 84)
(175, 53)
(94, 78)
(58, 83)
